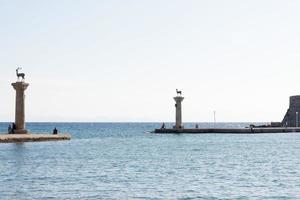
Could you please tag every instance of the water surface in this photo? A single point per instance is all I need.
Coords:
(125, 161)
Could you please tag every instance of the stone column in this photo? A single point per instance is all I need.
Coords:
(178, 100)
(20, 87)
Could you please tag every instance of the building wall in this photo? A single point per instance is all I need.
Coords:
(290, 116)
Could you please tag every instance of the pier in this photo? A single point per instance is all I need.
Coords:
(17, 131)
(19, 138)
(290, 123)
(229, 130)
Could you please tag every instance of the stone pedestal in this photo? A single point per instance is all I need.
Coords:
(20, 87)
(178, 100)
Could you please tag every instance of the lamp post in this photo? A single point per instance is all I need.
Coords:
(297, 119)
(214, 116)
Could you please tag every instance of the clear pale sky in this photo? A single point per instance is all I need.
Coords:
(117, 60)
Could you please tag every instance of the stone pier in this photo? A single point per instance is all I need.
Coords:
(19, 138)
(18, 133)
(178, 100)
(20, 87)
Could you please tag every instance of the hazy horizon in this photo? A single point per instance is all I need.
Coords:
(137, 122)
(116, 61)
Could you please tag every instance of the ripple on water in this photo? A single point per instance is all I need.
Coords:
(120, 161)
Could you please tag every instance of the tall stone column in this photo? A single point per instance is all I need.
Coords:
(20, 87)
(178, 100)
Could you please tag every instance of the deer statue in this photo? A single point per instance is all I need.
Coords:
(178, 92)
(20, 74)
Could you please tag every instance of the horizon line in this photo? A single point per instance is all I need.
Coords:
(135, 122)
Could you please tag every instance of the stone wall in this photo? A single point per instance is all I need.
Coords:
(290, 116)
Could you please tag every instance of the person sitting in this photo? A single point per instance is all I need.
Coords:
(55, 131)
(9, 129)
(14, 127)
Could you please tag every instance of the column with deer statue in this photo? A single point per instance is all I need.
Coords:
(20, 87)
(178, 99)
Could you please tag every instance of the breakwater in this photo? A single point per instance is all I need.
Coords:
(16, 138)
(230, 130)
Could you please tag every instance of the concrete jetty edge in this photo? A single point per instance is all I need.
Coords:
(229, 130)
(17, 138)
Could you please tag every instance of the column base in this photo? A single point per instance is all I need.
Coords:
(20, 131)
(178, 127)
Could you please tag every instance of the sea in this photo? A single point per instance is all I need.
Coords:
(128, 161)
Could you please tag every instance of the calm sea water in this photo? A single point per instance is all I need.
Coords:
(125, 161)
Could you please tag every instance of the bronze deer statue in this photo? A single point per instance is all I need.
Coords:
(178, 92)
(20, 74)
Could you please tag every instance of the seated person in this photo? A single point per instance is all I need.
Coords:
(55, 131)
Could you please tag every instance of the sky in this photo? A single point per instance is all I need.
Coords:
(121, 61)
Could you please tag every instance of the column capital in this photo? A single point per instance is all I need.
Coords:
(20, 85)
(178, 98)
